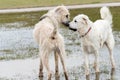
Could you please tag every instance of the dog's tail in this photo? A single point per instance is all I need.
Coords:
(106, 14)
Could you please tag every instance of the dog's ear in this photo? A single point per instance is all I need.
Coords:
(42, 17)
(84, 20)
(58, 10)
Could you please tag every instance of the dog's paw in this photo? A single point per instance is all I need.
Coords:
(56, 72)
(41, 74)
(87, 72)
(97, 70)
(57, 75)
(87, 77)
(49, 76)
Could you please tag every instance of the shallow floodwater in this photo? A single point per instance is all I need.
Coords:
(19, 58)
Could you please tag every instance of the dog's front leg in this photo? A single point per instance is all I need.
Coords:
(86, 63)
(96, 61)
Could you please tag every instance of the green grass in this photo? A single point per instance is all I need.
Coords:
(35, 3)
(33, 17)
(29, 18)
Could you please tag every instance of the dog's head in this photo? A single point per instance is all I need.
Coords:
(79, 22)
(63, 15)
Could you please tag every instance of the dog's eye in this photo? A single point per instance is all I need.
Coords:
(75, 21)
(66, 16)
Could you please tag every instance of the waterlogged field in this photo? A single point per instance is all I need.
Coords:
(19, 58)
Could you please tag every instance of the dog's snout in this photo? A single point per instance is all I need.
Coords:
(66, 23)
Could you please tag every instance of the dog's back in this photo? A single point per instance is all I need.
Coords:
(103, 27)
(42, 30)
(105, 23)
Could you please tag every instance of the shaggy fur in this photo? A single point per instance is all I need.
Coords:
(50, 40)
(94, 35)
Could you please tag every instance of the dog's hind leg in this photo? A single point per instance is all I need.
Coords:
(110, 44)
(45, 60)
(41, 69)
(41, 64)
(56, 64)
(96, 61)
(61, 51)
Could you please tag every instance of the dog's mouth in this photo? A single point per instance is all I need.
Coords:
(66, 23)
(72, 29)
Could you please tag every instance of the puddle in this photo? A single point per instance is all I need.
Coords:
(27, 69)
(19, 58)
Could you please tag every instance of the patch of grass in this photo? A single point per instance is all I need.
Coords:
(33, 17)
(35, 3)
(15, 54)
(116, 18)
(95, 2)
(29, 18)
(7, 51)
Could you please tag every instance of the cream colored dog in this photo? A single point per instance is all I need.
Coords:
(94, 35)
(49, 39)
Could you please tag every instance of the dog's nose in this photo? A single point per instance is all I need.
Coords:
(68, 23)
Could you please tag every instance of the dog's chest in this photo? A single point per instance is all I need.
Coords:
(90, 45)
(89, 49)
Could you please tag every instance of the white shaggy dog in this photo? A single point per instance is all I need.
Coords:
(94, 35)
(49, 39)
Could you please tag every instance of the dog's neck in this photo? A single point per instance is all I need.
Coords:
(83, 35)
(54, 22)
(85, 30)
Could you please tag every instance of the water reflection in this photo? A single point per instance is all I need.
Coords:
(112, 74)
(40, 78)
(87, 77)
(97, 75)
(57, 76)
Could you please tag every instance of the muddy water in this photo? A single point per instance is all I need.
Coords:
(20, 59)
